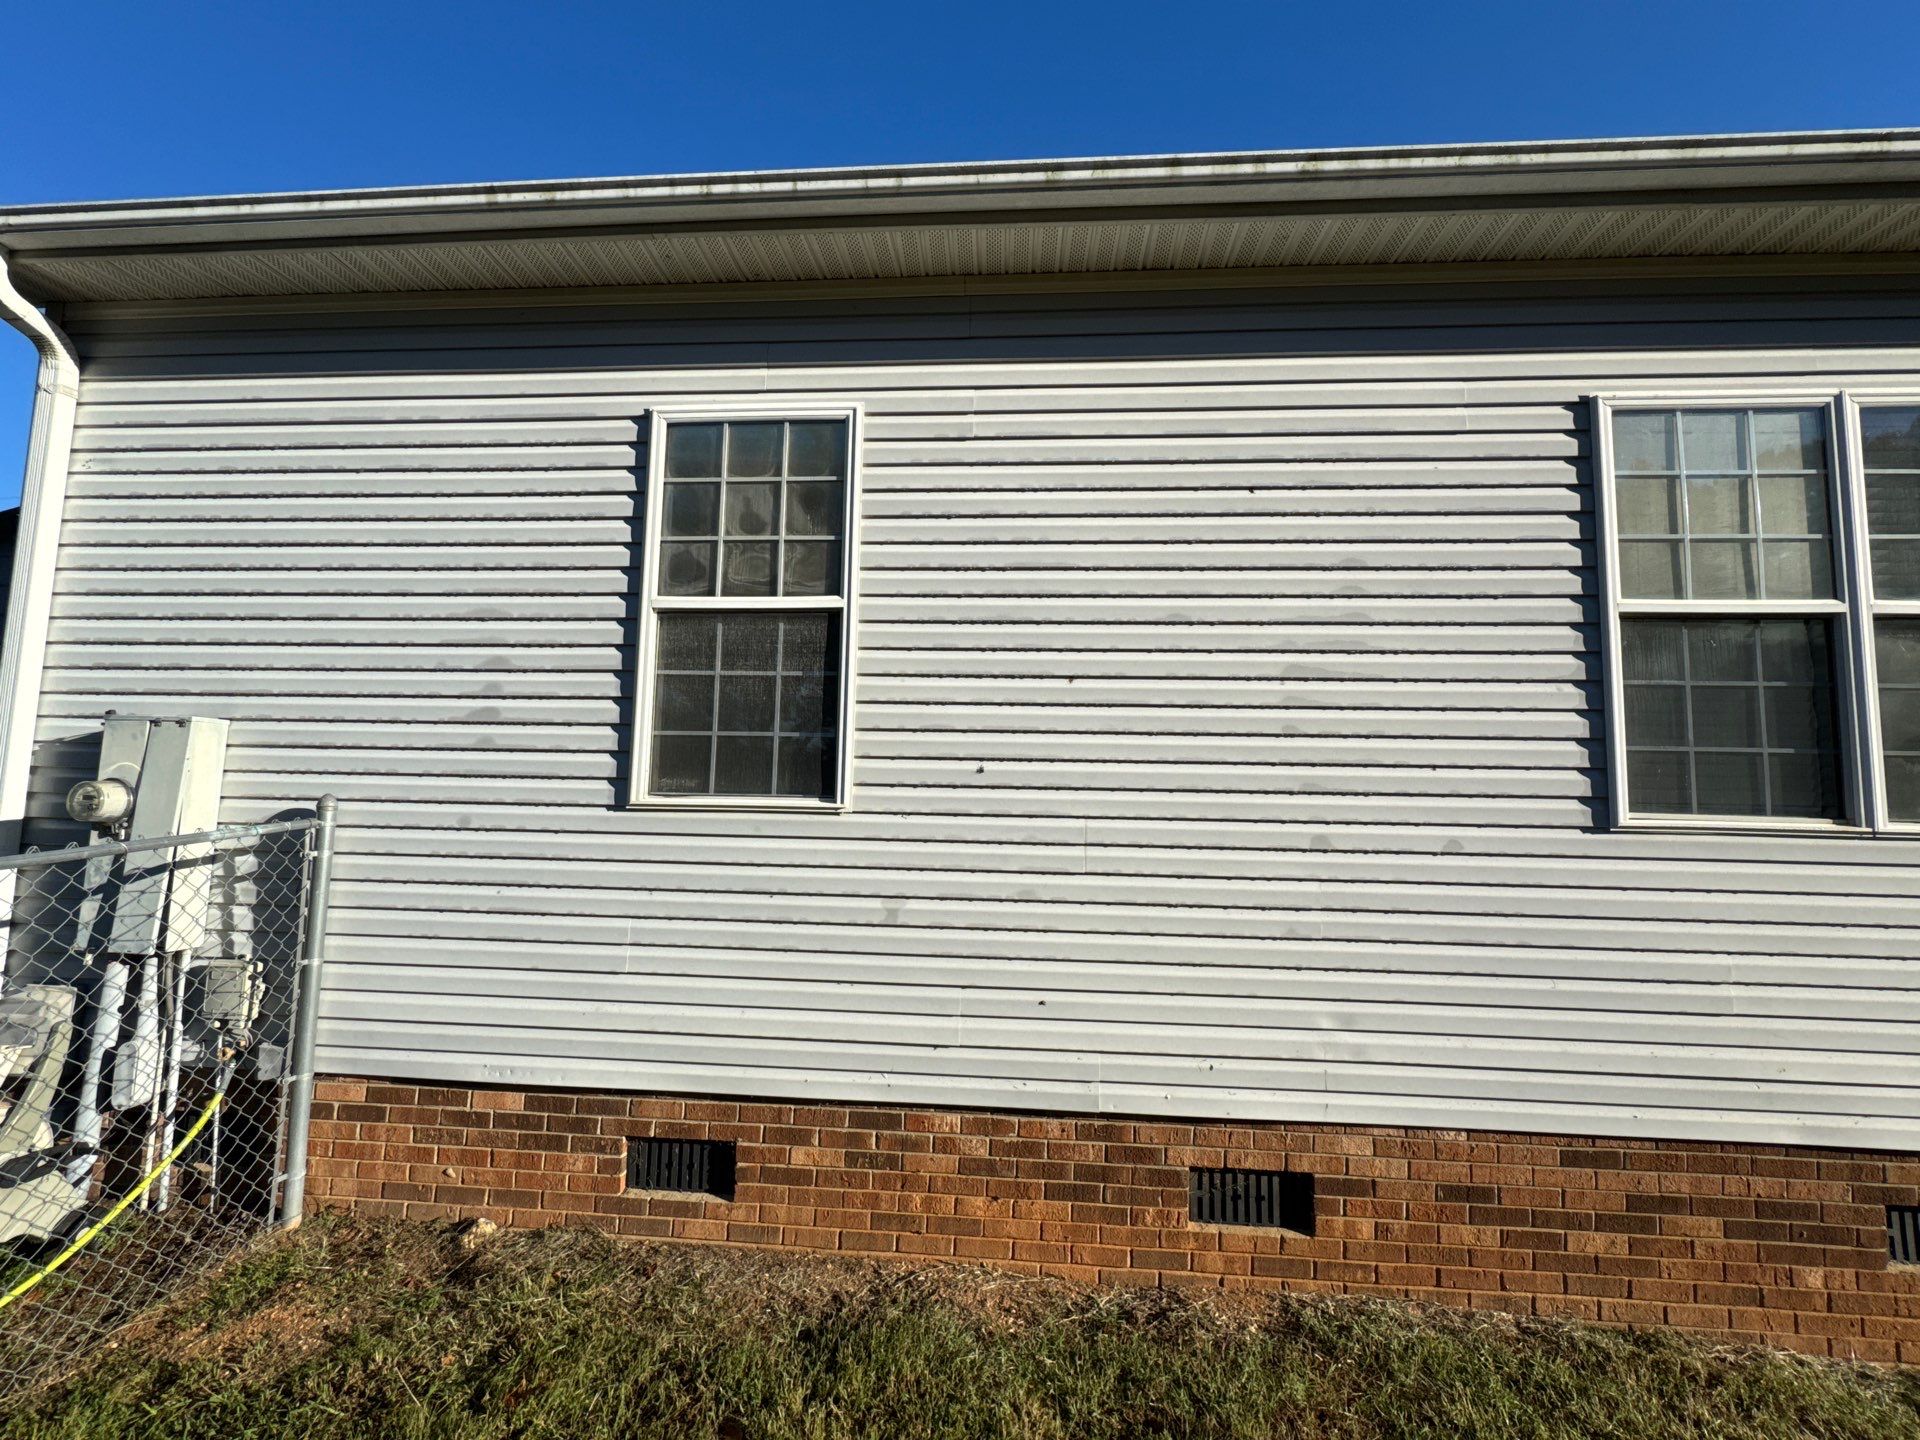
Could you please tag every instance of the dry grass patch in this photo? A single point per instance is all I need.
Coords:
(355, 1327)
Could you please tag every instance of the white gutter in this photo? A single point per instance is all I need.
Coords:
(43, 494)
(1693, 165)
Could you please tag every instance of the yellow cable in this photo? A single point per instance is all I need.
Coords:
(86, 1236)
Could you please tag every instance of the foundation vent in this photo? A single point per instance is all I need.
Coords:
(1276, 1199)
(692, 1167)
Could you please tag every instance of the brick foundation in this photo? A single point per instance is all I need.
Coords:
(1772, 1243)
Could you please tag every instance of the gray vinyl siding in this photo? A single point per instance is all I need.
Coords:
(1228, 736)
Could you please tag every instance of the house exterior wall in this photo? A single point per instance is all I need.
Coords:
(1227, 743)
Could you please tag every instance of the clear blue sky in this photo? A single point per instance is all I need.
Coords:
(117, 98)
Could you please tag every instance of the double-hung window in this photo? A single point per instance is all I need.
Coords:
(746, 610)
(1762, 584)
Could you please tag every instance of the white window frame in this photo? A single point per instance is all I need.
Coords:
(653, 605)
(1863, 804)
(1869, 608)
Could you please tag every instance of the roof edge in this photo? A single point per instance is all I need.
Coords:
(1512, 169)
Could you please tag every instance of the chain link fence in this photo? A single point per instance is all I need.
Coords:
(155, 1070)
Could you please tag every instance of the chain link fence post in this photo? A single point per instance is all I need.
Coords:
(306, 1022)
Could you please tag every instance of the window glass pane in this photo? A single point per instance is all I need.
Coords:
(1724, 570)
(750, 642)
(806, 766)
(817, 447)
(681, 764)
(1722, 650)
(1713, 440)
(1797, 718)
(1740, 723)
(813, 507)
(1903, 787)
(692, 509)
(1730, 783)
(1801, 786)
(1724, 501)
(1659, 714)
(1789, 440)
(1794, 652)
(810, 567)
(693, 450)
(753, 449)
(743, 765)
(1643, 440)
(1793, 504)
(1900, 719)
(746, 704)
(688, 642)
(1726, 716)
(1799, 569)
(1656, 650)
(803, 703)
(1892, 435)
(1717, 505)
(1897, 653)
(1659, 782)
(1896, 569)
(686, 567)
(683, 702)
(752, 508)
(1893, 504)
(1650, 570)
(748, 568)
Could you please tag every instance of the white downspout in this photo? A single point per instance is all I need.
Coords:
(43, 494)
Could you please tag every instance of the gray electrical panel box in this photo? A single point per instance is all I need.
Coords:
(173, 768)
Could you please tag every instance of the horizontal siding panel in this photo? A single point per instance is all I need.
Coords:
(571, 943)
(1560, 371)
(492, 914)
(460, 1059)
(960, 450)
(1718, 864)
(507, 754)
(1389, 894)
(1493, 1037)
(886, 424)
(1276, 481)
(555, 1024)
(899, 539)
(1427, 984)
(94, 638)
(1760, 1080)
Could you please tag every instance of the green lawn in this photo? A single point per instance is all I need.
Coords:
(361, 1328)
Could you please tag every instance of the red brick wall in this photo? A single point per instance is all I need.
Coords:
(1782, 1244)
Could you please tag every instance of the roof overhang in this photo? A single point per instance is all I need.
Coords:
(1840, 193)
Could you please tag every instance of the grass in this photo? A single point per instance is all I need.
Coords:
(355, 1327)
